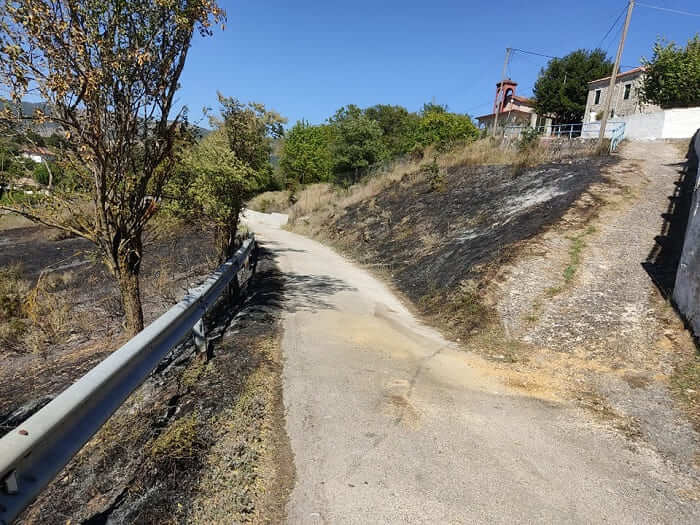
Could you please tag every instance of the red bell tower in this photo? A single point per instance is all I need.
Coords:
(504, 90)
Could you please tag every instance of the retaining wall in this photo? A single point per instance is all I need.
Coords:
(686, 292)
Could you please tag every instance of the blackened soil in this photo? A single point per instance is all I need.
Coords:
(431, 239)
(147, 463)
(171, 262)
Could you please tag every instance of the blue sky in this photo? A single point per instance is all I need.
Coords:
(305, 59)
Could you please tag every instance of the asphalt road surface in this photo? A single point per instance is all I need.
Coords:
(390, 423)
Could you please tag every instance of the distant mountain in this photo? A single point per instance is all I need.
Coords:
(48, 129)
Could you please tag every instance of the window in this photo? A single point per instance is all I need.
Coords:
(612, 113)
(597, 96)
(628, 88)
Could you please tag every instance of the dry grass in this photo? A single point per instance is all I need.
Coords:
(316, 203)
(35, 318)
(13, 324)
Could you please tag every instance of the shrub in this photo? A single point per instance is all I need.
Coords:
(445, 130)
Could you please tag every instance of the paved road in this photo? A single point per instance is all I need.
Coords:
(389, 423)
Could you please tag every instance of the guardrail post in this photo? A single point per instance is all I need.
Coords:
(200, 338)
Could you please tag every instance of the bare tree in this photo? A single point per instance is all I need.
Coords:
(108, 72)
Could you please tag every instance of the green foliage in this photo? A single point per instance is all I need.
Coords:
(672, 78)
(210, 185)
(562, 87)
(357, 141)
(306, 154)
(40, 173)
(436, 178)
(398, 127)
(528, 139)
(432, 107)
(444, 130)
(251, 129)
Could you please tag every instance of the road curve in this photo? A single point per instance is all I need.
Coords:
(390, 423)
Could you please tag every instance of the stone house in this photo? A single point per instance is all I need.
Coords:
(626, 96)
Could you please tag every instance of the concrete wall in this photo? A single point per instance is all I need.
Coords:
(663, 124)
(686, 292)
(644, 126)
(681, 123)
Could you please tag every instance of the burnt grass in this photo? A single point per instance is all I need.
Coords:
(147, 463)
(172, 260)
(438, 242)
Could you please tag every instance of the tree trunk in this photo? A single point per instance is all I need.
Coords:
(128, 266)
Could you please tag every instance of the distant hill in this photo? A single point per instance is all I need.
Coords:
(48, 129)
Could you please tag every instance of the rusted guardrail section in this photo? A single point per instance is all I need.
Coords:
(32, 454)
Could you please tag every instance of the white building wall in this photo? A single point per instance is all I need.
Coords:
(681, 123)
(644, 126)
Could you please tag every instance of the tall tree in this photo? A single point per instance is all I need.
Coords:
(306, 154)
(357, 141)
(108, 71)
(210, 186)
(398, 127)
(672, 77)
(251, 128)
(562, 87)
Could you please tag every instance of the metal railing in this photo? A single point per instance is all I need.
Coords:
(616, 135)
(615, 131)
(32, 454)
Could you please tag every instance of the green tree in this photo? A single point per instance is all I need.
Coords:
(433, 107)
(306, 154)
(357, 141)
(398, 127)
(561, 89)
(672, 77)
(210, 186)
(444, 130)
(251, 129)
(108, 70)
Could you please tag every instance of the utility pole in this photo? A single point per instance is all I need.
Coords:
(613, 77)
(500, 91)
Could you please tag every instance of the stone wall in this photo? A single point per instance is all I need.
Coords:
(686, 293)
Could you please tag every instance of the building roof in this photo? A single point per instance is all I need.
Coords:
(505, 112)
(621, 75)
(524, 100)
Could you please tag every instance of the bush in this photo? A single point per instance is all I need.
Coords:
(528, 139)
(445, 130)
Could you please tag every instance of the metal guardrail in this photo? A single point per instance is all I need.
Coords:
(32, 454)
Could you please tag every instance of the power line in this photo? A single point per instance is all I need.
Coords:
(533, 53)
(676, 11)
(613, 25)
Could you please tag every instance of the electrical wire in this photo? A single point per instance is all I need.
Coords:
(668, 9)
(612, 26)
